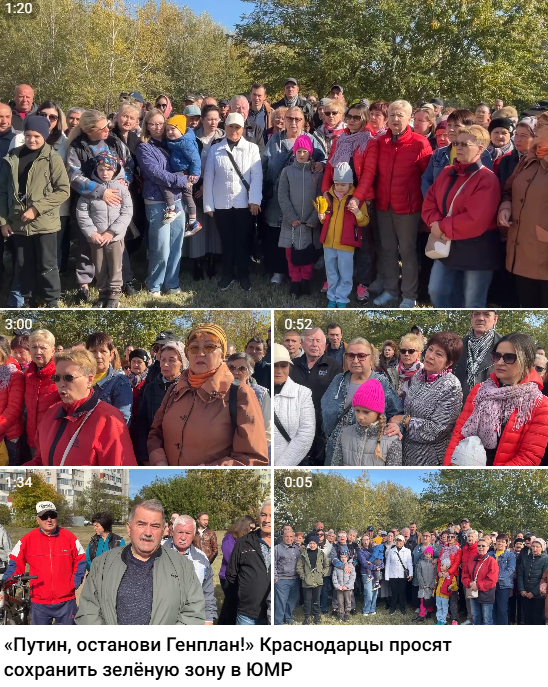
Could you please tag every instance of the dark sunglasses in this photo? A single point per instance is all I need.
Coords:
(508, 358)
(354, 118)
(357, 356)
(540, 369)
(410, 351)
(330, 114)
(162, 105)
(240, 369)
(48, 515)
(51, 117)
(65, 378)
(127, 367)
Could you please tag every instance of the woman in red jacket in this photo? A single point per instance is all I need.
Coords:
(461, 205)
(357, 146)
(40, 391)
(11, 401)
(481, 575)
(507, 412)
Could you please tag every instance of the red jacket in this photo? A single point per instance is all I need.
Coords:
(399, 171)
(103, 440)
(40, 394)
(12, 389)
(467, 552)
(475, 208)
(365, 168)
(455, 559)
(524, 446)
(488, 574)
(58, 559)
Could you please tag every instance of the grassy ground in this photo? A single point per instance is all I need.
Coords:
(84, 535)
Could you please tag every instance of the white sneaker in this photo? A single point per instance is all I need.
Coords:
(377, 286)
(277, 278)
(154, 294)
(384, 299)
(408, 303)
(171, 215)
(467, 622)
(373, 613)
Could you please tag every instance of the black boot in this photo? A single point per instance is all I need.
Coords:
(198, 273)
(210, 267)
(306, 620)
(305, 287)
(295, 289)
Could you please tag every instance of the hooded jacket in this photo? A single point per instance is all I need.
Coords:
(184, 155)
(530, 572)
(12, 389)
(343, 579)
(40, 394)
(314, 578)
(177, 593)
(485, 571)
(95, 215)
(194, 427)
(247, 570)
(295, 410)
(425, 576)
(523, 446)
(297, 189)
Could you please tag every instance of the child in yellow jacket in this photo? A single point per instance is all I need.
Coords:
(444, 588)
(341, 234)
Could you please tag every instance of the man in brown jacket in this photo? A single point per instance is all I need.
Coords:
(205, 539)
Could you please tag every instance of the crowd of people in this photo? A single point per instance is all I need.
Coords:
(181, 403)
(162, 576)
(455, 196)
(487, 578)
(478, 400)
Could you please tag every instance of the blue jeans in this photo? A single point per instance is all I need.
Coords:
(442, 606)
(500, 608)
(286, 593)
(458, 288)
(246, 620)
(326, 587)
(339, 268)
(165, 243)
(369, 596)
(482, 614)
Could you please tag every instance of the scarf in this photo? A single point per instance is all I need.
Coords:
(493, 406)
(197, 381)
(541, 151)
(499, 152)
(135, 380)
(292, 102)
(173, 381)
(406, 375)
(71, 408)
(478, 346)
(432, 377)
(347, 144)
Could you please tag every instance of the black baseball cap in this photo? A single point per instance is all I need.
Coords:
(465, 520)
(437, 101)
(536, 109)
(165, 336)
(370, 528)
(223, 102)
(529, 535)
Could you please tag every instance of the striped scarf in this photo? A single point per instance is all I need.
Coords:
(499, 152)
(478, 346)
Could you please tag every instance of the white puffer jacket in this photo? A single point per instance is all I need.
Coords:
(295, 410)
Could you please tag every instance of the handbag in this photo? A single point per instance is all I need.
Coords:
(302, 256)
(436, 247)
(473, 593)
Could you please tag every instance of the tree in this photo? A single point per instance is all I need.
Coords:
(97, 499)
(5, 514)
(25, 498)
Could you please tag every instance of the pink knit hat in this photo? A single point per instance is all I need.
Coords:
(303, 141)
(428, 549)
(370, 395)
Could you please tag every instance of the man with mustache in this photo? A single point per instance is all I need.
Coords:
(143, 583)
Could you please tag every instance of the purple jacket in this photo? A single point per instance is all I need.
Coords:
(228, 544)
(156, 172)
(366, 568)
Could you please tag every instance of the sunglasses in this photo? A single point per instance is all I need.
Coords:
(539, 369)
(127, 367)
(240, 369)
(409, 351)
(294, 119)
(162, 105)
(330, 114)
(51, 117)
(357, 356)
(195, 348)
(354, 118)
(65, 378)
(508, 358)
(464, 144)
(48, 515)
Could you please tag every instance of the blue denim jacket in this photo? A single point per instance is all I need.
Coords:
(116, 390)
(439, 160)
(507, 566)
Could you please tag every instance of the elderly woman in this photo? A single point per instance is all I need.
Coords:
(40, 391)
(104, 538)
(276, 121)
(81, 430)
(524, 211)
(110, 383)
(403, 158)
(205, 245)
(232, 194)
(531, 572)
(91, 137)
(332, 127)
(507, 412)
(241, 366)
(424, 123)
(411, 348)
(378, 117)
(33, 187)
(524, 138)
(278, 154)
(172, 361)
(294, 415)
(205, 419)
(20, 350)
(432, 404)
(11, 401)
(480, 576)
(139, 361)
(461, 207)
(388, 362)
(500, 131)
(507, 566)
(165, 241)
(442, 137)
(337, 410)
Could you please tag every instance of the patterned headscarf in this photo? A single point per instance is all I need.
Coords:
(207, 328)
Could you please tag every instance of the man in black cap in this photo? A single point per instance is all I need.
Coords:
(292, 99)
(438, 107)
(336, 92)
(224, 109)
(155, 370)
(462, 536)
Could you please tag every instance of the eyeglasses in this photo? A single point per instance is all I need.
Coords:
(157, 125)
(357, 356)
(127, 367)
(65, 378)
(330, 114)
(407, 351)
(354, 118)
(508, 358)
(48, 515)
(540, 369)
(51, 117)
(294, 119)
(195, 348)
(240, 369)
(101, 128)
(451, 536)
(464, 144)
(482, 546)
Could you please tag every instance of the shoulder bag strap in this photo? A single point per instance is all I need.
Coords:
(459, 190)
(233, 406)
(479, 568)
(405, 570)
(237, 169)
(281, 429)
(73, 439)
(341, 415)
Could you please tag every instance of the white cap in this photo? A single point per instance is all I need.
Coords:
(281, 354)
(235, 118)
(44, 506)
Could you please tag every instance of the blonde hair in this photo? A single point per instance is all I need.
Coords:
(506, 111)
(79, 356)
(88, 121)
(481, 135)
(145, 133)
(274, 113)
(42, 335)
(416, 342)
(337, 105)
(129, 107)
(403, 104)
(542, 115)
(360, 341)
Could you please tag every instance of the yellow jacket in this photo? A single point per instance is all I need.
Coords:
(335, 230)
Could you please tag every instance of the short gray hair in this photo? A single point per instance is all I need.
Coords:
(249, 362)
(313, 330)
(402, 104)
(355, 531)
(151, 504)
(268, 502)
(236, 98)
(78, 110)
(182, 520)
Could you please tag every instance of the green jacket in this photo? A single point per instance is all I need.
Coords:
(312, 578)
(47, 189)
(177, 597)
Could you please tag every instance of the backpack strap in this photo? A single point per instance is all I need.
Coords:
(233, 405)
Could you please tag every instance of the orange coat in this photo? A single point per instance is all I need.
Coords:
(194, 427)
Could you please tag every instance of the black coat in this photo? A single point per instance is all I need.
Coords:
(262, 374)
(247, 571)
(17, 121)
(151, 400)
(317, 379)
(507, 165)
(484, 370)
(305, 106)
(529, 573)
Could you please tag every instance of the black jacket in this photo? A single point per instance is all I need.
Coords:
(484, 370)
(507, 165)
(113, 541)
(529, 573)
(305, 106)
(262, 374)
(151, 400)
(462, 536)
(5, 140)
(317, 379)
(247, 571)
(17, 121)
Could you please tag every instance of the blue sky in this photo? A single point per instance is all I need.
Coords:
(138, 478)
(409, 477)
(227, 13)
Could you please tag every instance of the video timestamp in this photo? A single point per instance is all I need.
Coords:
(298, 324)
(19, 324)
(19, 482)
(298, 482)
(21, 9)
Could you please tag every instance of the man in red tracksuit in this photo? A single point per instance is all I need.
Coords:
(57, 557)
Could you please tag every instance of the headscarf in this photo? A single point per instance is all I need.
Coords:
(208, 328)
(169, 107)
(178, 346)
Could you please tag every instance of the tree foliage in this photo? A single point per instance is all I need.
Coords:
(5, 514)
(26, 497)
(86, 52)
(96, 498)
(224, 494)
(464, 50)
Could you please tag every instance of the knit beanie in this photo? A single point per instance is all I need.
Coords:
(428, 549)
(178, 121)
(370, 395)
(342, 174)
(502, 123)
(303, 142)
(314, 537)
(107, 159)
(141, 354)
(38, 124)
(446, 562)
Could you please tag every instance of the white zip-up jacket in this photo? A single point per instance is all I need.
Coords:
(5, 547)
(295, 410)
(393, 568)
(223, 188)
